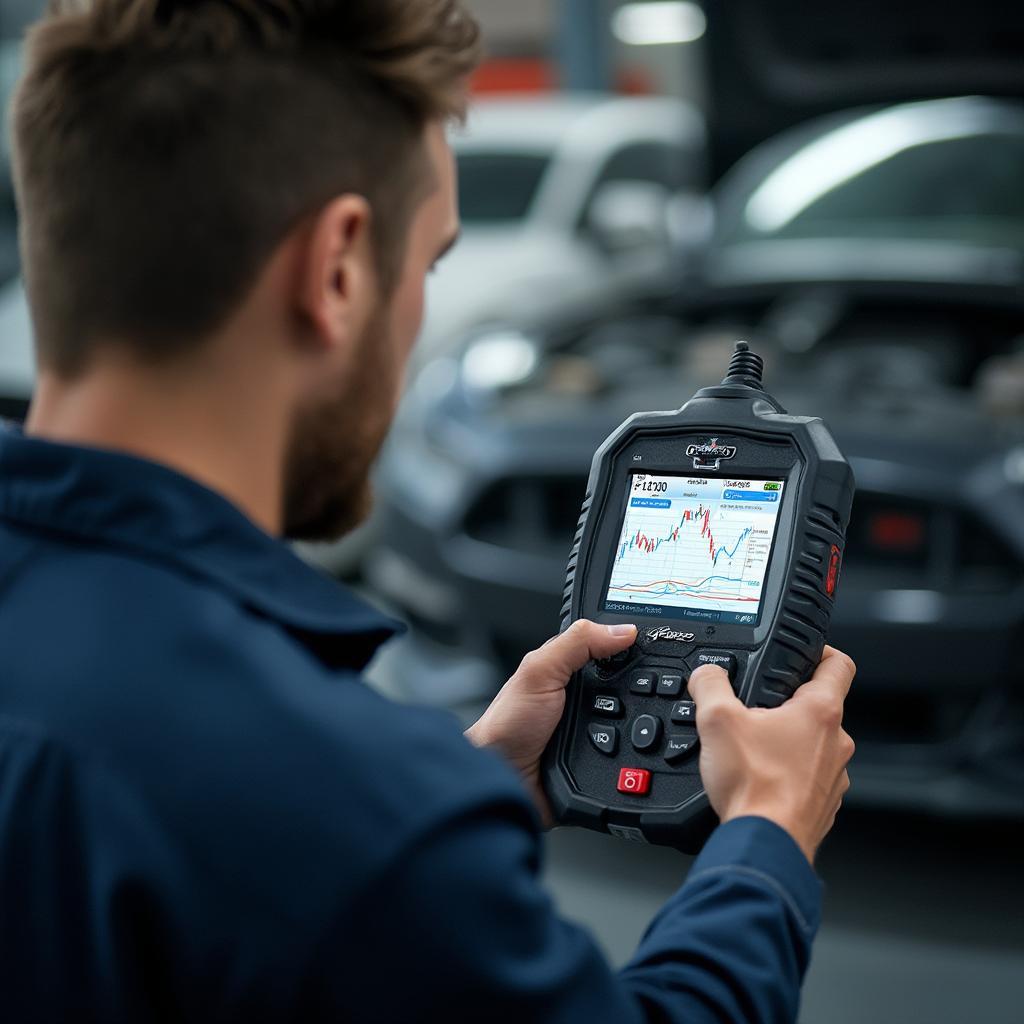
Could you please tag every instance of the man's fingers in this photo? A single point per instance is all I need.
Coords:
(710, 688)
(831, 680)
(583, 641)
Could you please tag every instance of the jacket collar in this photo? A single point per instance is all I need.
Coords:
(124, 502)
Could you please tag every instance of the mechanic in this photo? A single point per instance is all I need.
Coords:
(228, 209)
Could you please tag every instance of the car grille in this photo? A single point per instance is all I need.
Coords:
(535, 514)
(897, 542)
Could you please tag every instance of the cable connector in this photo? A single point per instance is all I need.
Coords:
(746, 368)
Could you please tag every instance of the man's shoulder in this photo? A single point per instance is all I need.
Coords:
(73, 581)
(167, 653)
(257, 760)
(98, 637)
(119, 611)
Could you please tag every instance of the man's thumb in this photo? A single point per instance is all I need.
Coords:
(709, 686)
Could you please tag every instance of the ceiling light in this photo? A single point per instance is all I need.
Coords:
(659, 23)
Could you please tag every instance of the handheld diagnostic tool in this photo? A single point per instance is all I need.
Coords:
(719, 530)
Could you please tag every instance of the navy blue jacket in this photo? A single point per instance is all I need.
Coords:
(205, 814)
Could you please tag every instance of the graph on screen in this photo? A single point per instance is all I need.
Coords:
(697, 546)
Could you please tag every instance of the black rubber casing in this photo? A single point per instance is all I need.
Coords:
(773, 657)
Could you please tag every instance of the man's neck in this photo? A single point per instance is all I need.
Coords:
(222, 432)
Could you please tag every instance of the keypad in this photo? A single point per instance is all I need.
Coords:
(620, 684)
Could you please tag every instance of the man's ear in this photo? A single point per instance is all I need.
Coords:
(337, 284)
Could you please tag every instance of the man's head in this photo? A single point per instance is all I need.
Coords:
(174, 158)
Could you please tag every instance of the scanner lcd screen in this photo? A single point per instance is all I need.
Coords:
(695, 547)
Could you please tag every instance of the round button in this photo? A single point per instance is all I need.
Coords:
(646, 732)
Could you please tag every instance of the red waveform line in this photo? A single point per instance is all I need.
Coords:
(651, 544)
(705, 531)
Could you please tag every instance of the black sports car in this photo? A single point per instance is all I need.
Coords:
(876, 259)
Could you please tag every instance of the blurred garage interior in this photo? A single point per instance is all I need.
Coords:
(625, 175)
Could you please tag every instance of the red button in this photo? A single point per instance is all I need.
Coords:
(832, 579)
(635, 781)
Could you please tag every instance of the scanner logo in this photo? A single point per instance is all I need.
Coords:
(666, 633)
(710, 455)
(712, 450)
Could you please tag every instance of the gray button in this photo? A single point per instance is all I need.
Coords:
(646, 732)
(680, 745)
(723, 659)
(609, 707)
(670, 684)
(643, 682)
(684, 712)
(604, 737)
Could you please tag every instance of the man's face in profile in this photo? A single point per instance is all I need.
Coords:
(335, 440)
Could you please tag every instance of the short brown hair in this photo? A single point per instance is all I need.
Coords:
(165, 148)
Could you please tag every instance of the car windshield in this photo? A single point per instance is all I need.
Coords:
(496, 187)
(948, 170)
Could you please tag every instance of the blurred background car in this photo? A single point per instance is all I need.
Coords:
(562, 198)
(877, 261)
(16, 363)
(868, 239)
(15, 14)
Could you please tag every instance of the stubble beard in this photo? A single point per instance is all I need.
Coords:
(334, 443)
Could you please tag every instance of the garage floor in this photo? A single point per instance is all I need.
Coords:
(924, 922)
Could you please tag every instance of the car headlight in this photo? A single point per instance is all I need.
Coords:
(499, 359)
(1014, 466)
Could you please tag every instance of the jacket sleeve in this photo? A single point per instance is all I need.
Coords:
(460, 928)
(733, 944)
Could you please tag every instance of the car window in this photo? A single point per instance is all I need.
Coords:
(14, 16)
(966, 187)
(648, 161)
(656, 162)
(497, 187)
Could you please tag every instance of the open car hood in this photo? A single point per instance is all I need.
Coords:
(772, 64)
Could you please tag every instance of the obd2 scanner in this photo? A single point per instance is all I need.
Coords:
(719, 530)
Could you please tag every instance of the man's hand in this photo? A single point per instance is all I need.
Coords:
(787, 764)
(524, 714)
